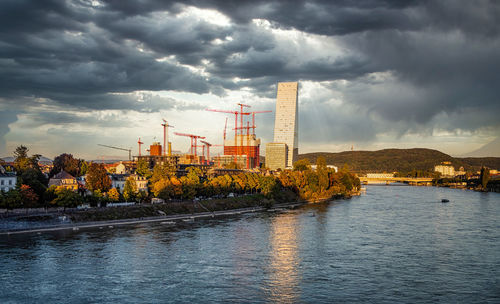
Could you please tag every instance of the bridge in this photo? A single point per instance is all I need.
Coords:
(423, 181)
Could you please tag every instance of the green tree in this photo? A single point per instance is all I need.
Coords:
(141, 196)
(188, 188)
(28, 196)
(162, 171)
(67, 163)
(322, 172)
(130, 189)
(232, 165)
(97, 178)
(34, 178)
(67, 198)
(143, 169)
(302, 165)
(11, 199)
(113, 195)
(84, 167)
(484, 177)
(268, 185)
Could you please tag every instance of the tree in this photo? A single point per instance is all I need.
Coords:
(67, 163)
(141, 196)
(130, 189)
(143, 169)
(28, 196)
(35, 179)
(232, 165)
(97, 178)
(22, 162)
(302, 165)
(67, 198)
(268, 185)
(322, 172)
(12, 199)
(163, 189)
(484, 177)
(113, 195)
(84, 167)
(162, 171)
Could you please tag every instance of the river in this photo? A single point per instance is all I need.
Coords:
(394, 244)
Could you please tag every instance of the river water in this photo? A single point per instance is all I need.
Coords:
(395, 244)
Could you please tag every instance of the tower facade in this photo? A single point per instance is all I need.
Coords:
(286, 122)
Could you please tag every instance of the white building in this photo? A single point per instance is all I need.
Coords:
(286, 123)
(314, 167)
(118, 181)
(8, 180)
(446, 169)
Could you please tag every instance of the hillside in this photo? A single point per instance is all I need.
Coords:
(478, 162)
(399, 160)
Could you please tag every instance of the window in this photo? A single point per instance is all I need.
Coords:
(10, 182)
(1, 183)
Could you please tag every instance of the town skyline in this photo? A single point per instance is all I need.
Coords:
(372, 75)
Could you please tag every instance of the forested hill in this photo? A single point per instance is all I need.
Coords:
(399, 160)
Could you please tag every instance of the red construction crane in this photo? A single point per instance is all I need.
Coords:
(247, 143)
(193, 140)
(253, 119)
(208, 145)
(225, 127)
(165, 135)
(241, 125)
(236, 113)
(140, 143)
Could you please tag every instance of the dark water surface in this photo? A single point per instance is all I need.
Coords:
(395, 244)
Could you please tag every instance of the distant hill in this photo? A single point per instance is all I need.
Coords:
(399, 160)
(488, 150)
(478, 162)
(43, 159)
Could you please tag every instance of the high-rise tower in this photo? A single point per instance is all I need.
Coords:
(286, 123)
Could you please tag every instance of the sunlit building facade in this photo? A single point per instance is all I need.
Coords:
(286, 121)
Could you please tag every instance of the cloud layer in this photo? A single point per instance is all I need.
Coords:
(370, 69)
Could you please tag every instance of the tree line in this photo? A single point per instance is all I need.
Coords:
(32, 186)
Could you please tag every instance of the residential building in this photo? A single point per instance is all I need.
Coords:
(8, 180)
(65, 180)
(118, 181)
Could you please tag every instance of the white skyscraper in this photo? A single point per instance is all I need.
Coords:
(286, 123)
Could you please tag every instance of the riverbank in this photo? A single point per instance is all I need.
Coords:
(166, 212)
(165, 219)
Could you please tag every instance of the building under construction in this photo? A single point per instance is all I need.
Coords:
(157, 157)
(244, 148)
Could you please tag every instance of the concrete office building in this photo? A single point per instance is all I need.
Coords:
(276, 156)
(286, 122)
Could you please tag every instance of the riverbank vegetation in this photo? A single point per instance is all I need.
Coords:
(301, 183)
(484, 182)
(401, 160)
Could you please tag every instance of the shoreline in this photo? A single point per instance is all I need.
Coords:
(169, 219)
(80, 222)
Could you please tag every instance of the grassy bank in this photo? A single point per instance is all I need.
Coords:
(184, 207)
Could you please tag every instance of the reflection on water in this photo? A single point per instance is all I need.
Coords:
(392, 245)
(283, 268)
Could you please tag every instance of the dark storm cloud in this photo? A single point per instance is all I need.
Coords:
(442, 56)
(6, 118)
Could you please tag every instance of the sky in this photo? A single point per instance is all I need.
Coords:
(373, 74)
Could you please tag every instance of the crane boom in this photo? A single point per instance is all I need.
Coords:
(118, 148)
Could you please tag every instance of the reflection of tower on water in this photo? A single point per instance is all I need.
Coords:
(284, 276)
